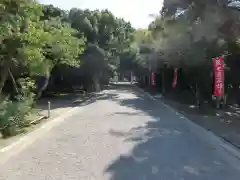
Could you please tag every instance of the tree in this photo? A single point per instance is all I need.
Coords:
(18, 32)
(94, 64)
(61, 47)
(107, 37)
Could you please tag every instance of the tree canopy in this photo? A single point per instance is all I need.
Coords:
(187, 35)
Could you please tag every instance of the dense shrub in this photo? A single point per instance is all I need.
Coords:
(13, 113)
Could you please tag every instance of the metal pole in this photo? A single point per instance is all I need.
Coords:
(49, 109)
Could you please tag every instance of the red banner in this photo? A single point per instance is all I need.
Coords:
(153, 79)
(174, 83)
(218, 66)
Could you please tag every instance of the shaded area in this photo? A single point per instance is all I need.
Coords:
(70, 99)
(61, 103)
(76, 97)
(166, 148)
(224, 122)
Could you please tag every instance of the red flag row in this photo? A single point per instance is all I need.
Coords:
(218, 69)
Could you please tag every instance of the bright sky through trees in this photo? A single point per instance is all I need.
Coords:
(135, 11)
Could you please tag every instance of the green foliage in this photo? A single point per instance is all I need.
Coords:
(102, 28)
(61, 47)
(107, 37)
(186, 34)
(27, 86)
(49, 12)
(13, 115)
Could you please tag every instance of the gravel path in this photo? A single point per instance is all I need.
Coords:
(122, 136)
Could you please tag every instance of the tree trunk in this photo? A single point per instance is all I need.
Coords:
(4, 76)
(13, 81)
(197, 93)
(163, 81)
(144, 80)
(149, 78)
(96, 83)
(218, 102)
(42, 85)
(225, 99)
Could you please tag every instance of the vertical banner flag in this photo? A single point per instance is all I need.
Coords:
(174, 83)
(218, 68)
(153, 79)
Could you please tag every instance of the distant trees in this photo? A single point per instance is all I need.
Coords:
(107, 37)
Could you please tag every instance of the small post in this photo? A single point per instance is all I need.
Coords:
(49, 109)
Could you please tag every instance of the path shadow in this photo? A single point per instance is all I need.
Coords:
(60, 101)
(165, 149)
(72, 100)
(223, 122)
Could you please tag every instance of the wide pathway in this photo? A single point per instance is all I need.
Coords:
(124, 135)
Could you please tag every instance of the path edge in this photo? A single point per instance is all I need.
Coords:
(214, 138)
(30, 137)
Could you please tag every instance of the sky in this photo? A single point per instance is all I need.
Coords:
(135, 11)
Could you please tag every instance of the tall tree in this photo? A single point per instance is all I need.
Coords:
(61, 47)
(18, 33)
